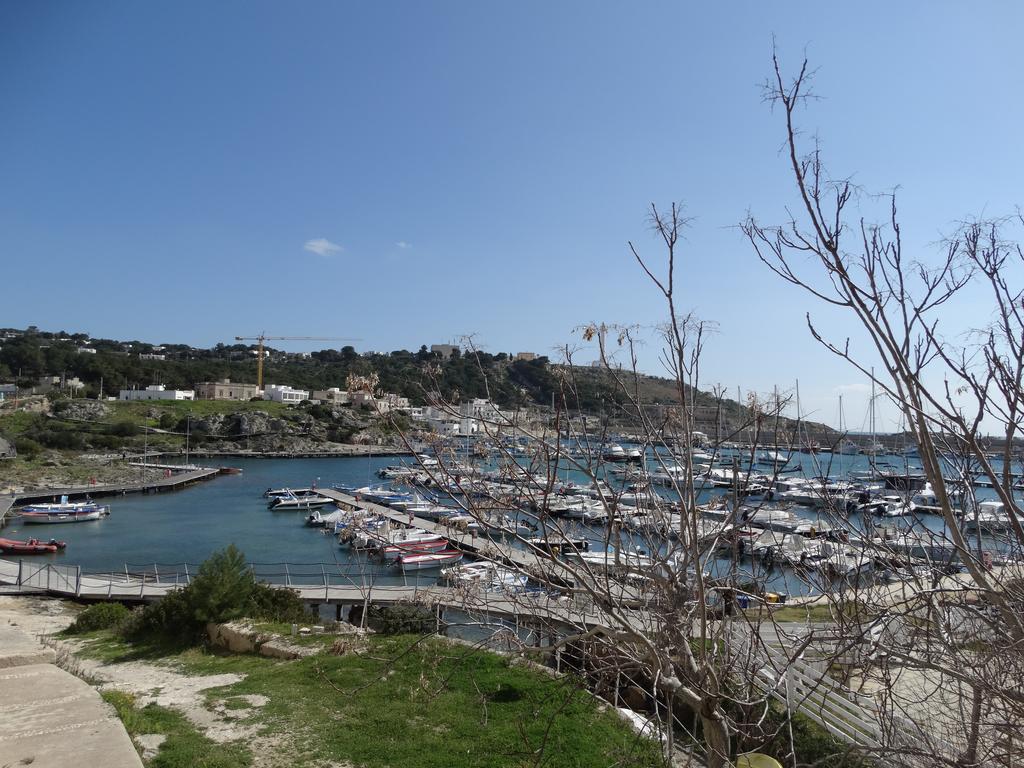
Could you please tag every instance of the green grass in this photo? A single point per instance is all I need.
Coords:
(14, 423)
(428, 703)
(185, 746)
(136, 411)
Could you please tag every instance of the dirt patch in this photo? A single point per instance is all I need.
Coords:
(149, 683)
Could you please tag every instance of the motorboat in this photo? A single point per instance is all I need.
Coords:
(63, 512)
(887, 506)
(489, 575)
(428, 560)
(992, 516)
(284, 493)
(318, 519)
(294, 502)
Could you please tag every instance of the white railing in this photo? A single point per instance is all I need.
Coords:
(804, 687)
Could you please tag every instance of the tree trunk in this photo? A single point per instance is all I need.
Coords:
(716, 737)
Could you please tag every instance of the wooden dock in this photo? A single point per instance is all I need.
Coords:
(479, 545)
(371, 451)
(172, 483)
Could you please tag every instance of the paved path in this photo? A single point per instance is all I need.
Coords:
(50, 718)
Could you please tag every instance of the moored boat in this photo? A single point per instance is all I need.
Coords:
(425, 561)
(64, 512)
(395, 551)
(30, 547)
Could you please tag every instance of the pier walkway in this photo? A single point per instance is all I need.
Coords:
(174, 482)
(479, 545)
(331, 588)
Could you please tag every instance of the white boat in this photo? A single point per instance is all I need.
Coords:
(887, 506)
(843, 560)
(318, 519)
(284, 493)
(991, 516)
(386, 536)
(489, 575)
(616, 562)
(36, 516)
(288, 503)
(847, 447)
(63, 511)
(614, 453)
(775, 458)
(422, 562)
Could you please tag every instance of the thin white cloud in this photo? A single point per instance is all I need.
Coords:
(321, 246)
(403, 245)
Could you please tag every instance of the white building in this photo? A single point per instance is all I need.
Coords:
(86, 351)
(482, 409)
(157, 392)
(282, 393)
(151, 356)
(333, 395)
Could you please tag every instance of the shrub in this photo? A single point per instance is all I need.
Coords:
(223, 588)
(61, 439)
(168, 421)
(123, 429)
(105, 441)
(99, 616)
(401, 619)
(169, 619)
(278, 605)
(27, 448)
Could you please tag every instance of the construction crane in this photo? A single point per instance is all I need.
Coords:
(263, 337)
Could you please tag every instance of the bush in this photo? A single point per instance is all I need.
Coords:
(812, 744)
(223, 588)
(99, 616)
(281, 606)
(123, 429)
(169, 619)
(105, 441)
(27, 448)
(168, 421)
(401, 619)
(61, 439)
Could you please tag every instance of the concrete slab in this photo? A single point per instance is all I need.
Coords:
(51, 719)
(18, 648)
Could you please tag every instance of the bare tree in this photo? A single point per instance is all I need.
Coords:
(666, 612)
(946, 652)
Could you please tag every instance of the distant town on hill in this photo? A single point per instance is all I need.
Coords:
(97, 368)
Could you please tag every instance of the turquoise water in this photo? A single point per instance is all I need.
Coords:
(168, 529)
(187, 526)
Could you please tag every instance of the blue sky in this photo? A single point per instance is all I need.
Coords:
(410, 172)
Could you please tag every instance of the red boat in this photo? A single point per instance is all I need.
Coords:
(30, 547)
(413, 548)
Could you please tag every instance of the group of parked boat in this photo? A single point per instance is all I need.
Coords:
(54, 513)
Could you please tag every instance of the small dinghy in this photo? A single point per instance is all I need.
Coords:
(30, 547)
